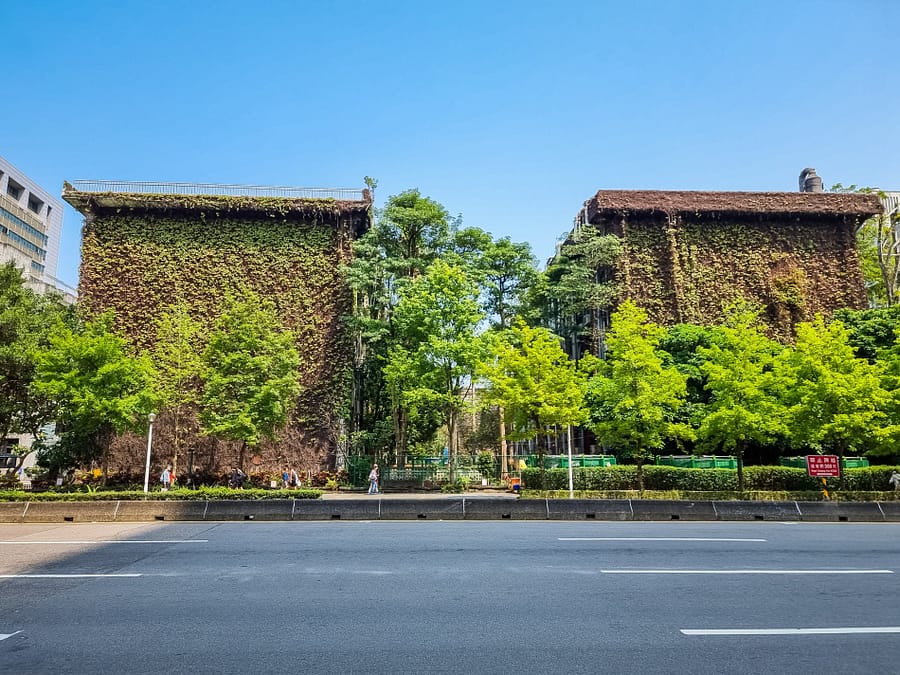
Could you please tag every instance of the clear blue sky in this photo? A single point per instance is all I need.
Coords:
(511, 113)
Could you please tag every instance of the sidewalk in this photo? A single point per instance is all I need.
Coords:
(422, 496)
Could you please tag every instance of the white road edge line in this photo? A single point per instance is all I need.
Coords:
(653, 539)
(793, 631)
(3, 636)
(69, 576)
(747, 571)
(107, 541)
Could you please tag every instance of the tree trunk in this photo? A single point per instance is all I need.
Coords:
(640, 472)
(504, 465)
(739, 452)
(451, 432)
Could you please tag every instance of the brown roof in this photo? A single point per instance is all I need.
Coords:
(681, 202)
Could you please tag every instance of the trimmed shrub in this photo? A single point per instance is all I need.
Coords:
(758, 478)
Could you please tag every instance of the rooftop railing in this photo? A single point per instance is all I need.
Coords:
(142, 187)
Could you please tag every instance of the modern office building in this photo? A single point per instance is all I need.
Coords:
(31, 229)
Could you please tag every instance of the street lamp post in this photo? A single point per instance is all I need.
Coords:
(151, 418)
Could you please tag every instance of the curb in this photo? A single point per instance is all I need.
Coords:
(446, 509)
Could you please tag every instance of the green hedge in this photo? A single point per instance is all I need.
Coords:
(202, 494)
(769, 478)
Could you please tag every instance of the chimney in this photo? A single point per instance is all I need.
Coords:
(809, 181)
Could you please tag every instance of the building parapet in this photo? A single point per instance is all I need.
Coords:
(154, 188)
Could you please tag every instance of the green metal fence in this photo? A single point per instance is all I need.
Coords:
(800, 462)
(697, 461)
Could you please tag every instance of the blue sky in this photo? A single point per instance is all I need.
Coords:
(509, 113)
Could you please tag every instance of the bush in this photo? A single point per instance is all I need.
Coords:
(201, 494)
(760, 478)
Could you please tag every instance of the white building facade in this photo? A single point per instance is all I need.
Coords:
(30, 230)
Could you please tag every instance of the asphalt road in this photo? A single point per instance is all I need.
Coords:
(450, 597)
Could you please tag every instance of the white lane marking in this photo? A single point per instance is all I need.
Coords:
(653, 539)
(792, 631)
(68, 576)
(107, 541)
(622, 571)
(3, 636)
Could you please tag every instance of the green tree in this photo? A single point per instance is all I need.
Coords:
(579, 287)
(744, 404)
(410, 232)
(437, 318)
(534, 381)
(835, 400)
(101, 388)
(633, 399)
(179, 368)
(878, 243)
(25, 321)
(510, 270)
(250, 374)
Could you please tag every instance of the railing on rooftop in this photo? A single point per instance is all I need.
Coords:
(142, 187)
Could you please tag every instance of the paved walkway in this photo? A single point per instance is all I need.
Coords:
(424, 496)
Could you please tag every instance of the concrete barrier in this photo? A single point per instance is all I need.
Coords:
(442, 508)
(343, 509)
(590, 509)
(248, 509)
(506, 509)
(161, 510)
(891, 511)
(12, 512)
(866, 512)
(750, 510)
(417, 509)
(663, 509)
(70, 512)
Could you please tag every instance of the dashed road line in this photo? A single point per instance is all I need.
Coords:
(850, 630)
(671, 571)
(659, 539)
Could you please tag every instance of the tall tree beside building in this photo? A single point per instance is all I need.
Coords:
(534, 381)
(100, 387)
(250, 372)
(410, 232)
(438, 349)
(835, 400)
(179, 368)
(633, 400)
(745, 402)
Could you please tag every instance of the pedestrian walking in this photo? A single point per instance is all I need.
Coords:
(895, 480)
(166, 478)
(286, 478)
(373, 480)
(294, 479)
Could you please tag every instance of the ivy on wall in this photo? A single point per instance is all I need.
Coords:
(140, 262)
(686, 269)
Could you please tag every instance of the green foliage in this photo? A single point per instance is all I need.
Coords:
(835, 400)
(25, 321)
(625, 477)
(250, 372)
(200, 494)
(871, 330)
(99, 387)
(143, 262)
(533, 379)
(744, 406)
(633, 400)
(437, 317)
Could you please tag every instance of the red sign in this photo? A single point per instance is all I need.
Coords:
(823, 466)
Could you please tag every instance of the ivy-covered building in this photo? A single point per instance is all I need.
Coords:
(148, 246)
(685, 255)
